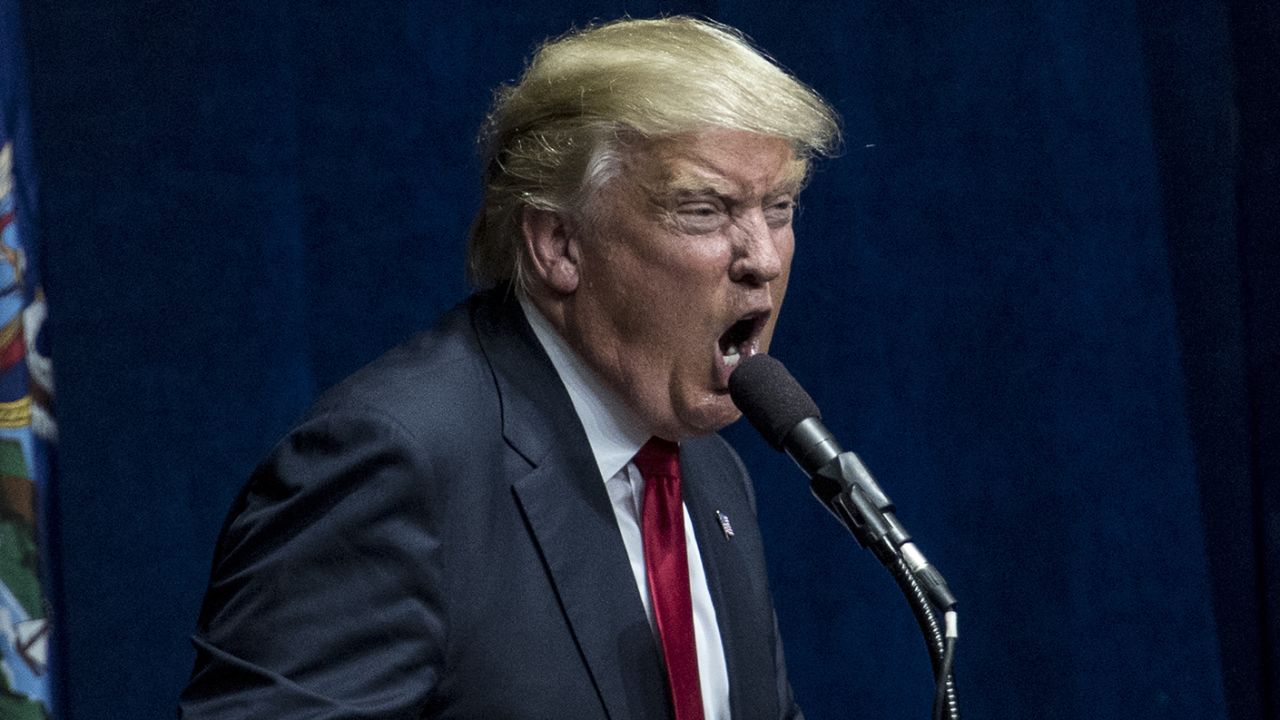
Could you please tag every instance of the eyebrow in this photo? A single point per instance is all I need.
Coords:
(693, 191)
(685, 186)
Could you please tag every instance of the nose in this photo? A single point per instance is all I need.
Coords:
(757, 259)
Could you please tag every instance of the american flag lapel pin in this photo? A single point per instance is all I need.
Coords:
(725, 527)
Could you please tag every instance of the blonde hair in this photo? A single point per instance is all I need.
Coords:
(559, 134)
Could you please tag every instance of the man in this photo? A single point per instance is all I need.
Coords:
(491, 520)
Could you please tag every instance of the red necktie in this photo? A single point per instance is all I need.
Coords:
(667, 563)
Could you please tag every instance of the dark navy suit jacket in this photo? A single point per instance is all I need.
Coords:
(434, 540)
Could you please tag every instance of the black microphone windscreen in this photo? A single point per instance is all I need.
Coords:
(770, 397)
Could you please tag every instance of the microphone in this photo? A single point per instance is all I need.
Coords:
(779, 408)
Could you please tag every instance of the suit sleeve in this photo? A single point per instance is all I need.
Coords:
(324, 600)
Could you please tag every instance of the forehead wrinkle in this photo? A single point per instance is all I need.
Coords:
(694, 183)
(700, 176)
(666, 168)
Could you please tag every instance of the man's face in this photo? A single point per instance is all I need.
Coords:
(682, 270)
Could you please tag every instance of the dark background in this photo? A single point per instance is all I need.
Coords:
(1037, 292)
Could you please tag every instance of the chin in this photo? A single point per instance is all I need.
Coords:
(711, 417)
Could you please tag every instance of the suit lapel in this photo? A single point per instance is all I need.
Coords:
(567, 508)
(577, 539)
(734, 575)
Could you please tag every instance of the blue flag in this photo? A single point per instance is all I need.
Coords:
(27, 429)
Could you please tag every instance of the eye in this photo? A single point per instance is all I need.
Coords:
(779, 213)
(700, 217)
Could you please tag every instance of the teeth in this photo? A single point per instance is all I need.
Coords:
(732, 357)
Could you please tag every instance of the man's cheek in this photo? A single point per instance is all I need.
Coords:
(779, 292)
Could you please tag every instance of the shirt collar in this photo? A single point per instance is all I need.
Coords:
(613, 429)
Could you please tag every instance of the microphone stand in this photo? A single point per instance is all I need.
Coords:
(845, 487)
(941, 649)
(789, 420)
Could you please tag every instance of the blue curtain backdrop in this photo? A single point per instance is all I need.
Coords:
(1036, 292)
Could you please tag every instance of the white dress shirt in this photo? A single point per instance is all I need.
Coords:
(615, 435)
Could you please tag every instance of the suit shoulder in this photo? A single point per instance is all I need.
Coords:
(436, 384)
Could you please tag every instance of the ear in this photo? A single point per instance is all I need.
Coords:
(551, 249)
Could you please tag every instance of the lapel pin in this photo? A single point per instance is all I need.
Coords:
(725, 527)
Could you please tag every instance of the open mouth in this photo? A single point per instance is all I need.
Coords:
(740, 339)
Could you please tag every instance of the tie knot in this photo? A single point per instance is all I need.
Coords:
(658, 458)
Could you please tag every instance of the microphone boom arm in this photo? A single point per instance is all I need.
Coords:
(847, 489)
